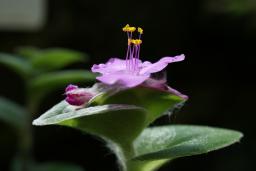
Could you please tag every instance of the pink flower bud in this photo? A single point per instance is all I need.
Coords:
(77, 96)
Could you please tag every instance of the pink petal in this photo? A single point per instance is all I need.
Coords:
(125, 79)
(113, 65)
(161, 64)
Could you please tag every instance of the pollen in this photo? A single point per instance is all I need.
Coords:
(136, 41)
(126, 28)
(140, 30)
(131, 29)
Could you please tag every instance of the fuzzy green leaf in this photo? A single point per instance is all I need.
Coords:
(158, 145)
(17, 64)
(55, 58)
(170, 142)
(118, 123)
(157, 103)
(12, 113)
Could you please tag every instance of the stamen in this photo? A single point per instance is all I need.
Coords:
(130, 62)
(133, 49)
(136, 58)
(128, 52)
(127, 29)
(140, 30)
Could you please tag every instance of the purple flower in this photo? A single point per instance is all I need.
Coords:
(132, 72)
(77, 96)
(116, 72)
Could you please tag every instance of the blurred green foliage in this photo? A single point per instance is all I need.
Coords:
(38, 69)
(233, 7)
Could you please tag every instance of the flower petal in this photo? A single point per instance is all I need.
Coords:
(160, 65)
(113, 65)
(124, 79)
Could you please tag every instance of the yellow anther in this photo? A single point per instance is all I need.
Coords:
(126, 28)
(140, 30)
(131, 29)
(136, 41)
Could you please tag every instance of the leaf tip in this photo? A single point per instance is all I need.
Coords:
(37, 122)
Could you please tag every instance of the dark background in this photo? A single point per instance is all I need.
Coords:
(218, 74)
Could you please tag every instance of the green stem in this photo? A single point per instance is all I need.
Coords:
(145, 165)
(125, 152)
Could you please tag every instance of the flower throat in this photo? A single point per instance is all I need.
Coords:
(133, 49)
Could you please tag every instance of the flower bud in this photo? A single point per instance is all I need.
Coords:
(77, 96)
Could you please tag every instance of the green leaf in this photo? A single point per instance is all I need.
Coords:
(45, 83)
(158, 145)
(12, 113)
(170, 142)
(55, 58)
(118, 123)
(157, 103)
(17, 64)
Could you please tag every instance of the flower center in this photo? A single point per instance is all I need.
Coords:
(133, 49)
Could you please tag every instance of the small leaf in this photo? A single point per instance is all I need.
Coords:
(157, 103)
(55, 58)
(12, 113)
(19, 65)
(170, 142)
(45, 83)
(118, 123)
